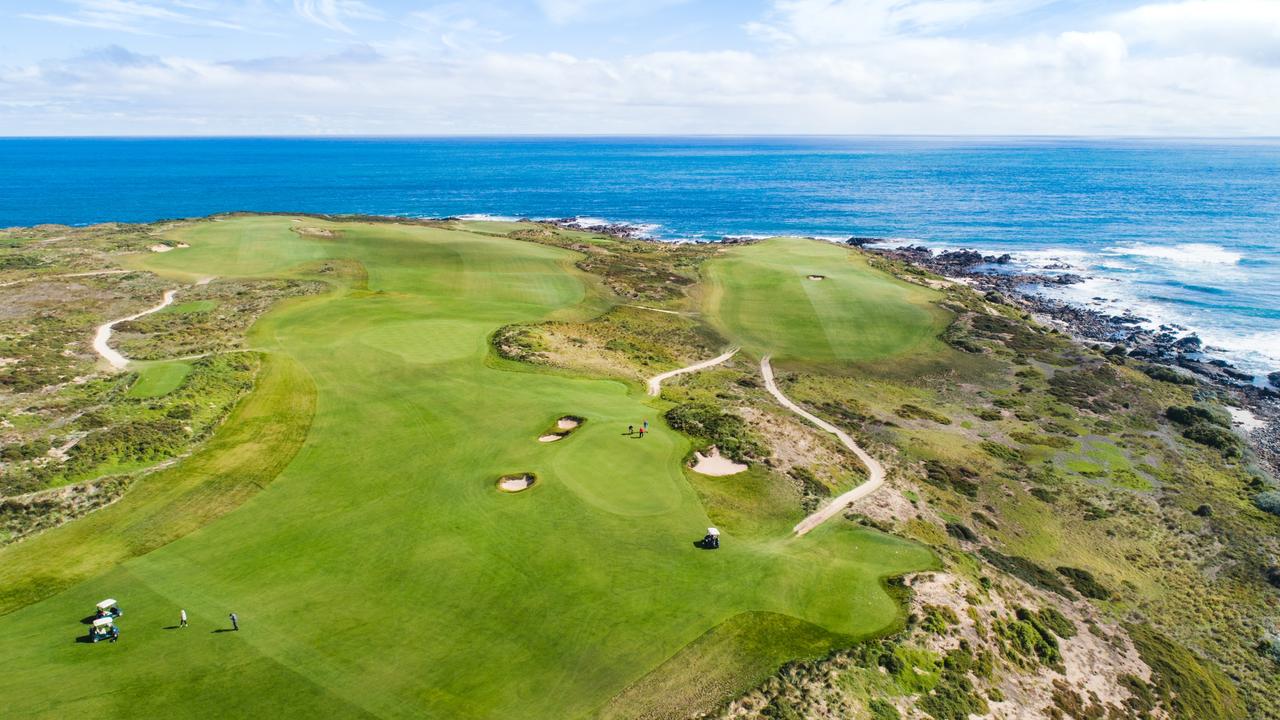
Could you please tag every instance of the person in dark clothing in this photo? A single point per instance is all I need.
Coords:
(115, 633)
(631, 429)
(235, 622)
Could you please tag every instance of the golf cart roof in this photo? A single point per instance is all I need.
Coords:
(713, 532)
(103, 621)
(107, 603)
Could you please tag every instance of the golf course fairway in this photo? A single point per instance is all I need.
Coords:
(378, 572)
(808, 301)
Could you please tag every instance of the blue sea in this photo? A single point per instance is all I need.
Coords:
(1179, 231)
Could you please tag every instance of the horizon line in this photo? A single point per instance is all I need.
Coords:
(625, 136)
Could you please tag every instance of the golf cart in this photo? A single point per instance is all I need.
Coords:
(108, 608)
(102, 628)
(712, 539)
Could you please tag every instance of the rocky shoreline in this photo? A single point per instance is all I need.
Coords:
(1171, 346)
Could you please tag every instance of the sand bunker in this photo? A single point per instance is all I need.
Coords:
(316, 232)
(714, 464)
(817, 277)
(563, 429)
(516, 483)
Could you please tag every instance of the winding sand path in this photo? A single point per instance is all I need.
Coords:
(655, 382)
(657, 310)
(100, 340)
(875, 470)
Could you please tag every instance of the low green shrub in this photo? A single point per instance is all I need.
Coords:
(915, 412)
(1084, 583)
(1028, 571)
(1183, 682)
(723, 429)
(1268, 501)
(1000, 452)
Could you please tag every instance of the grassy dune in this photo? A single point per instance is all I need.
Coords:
(380, 574)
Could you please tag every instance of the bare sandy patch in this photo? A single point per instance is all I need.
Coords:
(316, 232)
(817, 278)
(1245, 420)
(550, 438)
(716, 465)
(568, 423)
(516, 483)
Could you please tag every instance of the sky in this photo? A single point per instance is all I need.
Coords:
(610, 67)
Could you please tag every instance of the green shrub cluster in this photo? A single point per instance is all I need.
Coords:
(937, 618)
(134, 441)
(1000, 452)
(1166, 374)
(1206, 427)
(723, 429)
(1027, 570)
(1268, 501)
(1192, 690)
(1084, 583)
(915, 412)
(960, 479)
(1087, 389)
(1057, 622)
(1029, 638)
(954, 697)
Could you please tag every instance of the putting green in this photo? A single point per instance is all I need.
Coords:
(815, 301)
(381, 573)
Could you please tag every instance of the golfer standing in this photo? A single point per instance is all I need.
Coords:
(182, 618)
(235, 622)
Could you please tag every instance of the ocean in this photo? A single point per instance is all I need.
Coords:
(1178, 231)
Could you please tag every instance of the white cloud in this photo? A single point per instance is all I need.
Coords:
(830, 66)
(1234, 28)
(334, 14)
(131, 16)
(568, 11)
(848, 22)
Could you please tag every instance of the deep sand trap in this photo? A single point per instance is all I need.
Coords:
(389, 512)
(564, 428)
(516, 483)
(715, 464)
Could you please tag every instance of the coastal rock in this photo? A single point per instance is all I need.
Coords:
(1190, 343)
(1274, 378)
(856, 241)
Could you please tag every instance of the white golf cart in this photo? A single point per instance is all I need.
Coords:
(103, 628)
(108, 608)
(712, 540)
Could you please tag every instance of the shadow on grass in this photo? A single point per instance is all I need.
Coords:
(222, 630)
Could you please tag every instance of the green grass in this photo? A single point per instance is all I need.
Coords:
(380, 573)
(159, 379)
(760, 295)
(193, 306)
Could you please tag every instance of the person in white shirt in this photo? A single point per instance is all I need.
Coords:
(182, 615)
